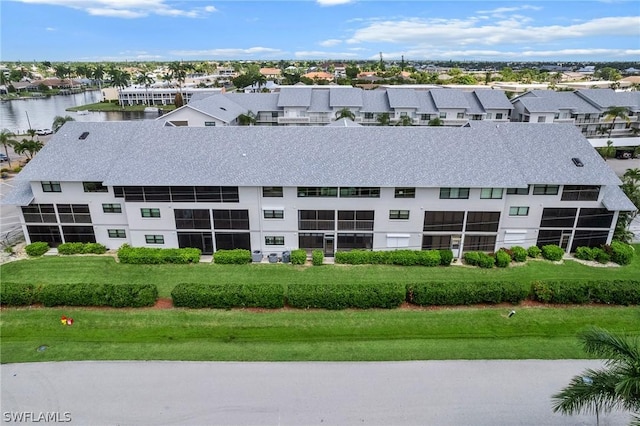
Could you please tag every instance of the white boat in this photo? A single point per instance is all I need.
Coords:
(83, 112)
(152, 109)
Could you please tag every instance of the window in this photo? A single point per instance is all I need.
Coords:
(117, 233)
(78, 234)
(542, 119)
(316, 219)
(368, 116)
(154, 239)
(479, 243)
(595, 218)
(518, 211)
(39, 213)
(272, 191)
(488, 116)
(498, 116)
(94, 187)
(443, 221)
(111, 208)
(483, 221)
(493, 193)
(274, 241)
(310, 241)
(317, 191)
(589, 239)
(425, 117)
(403, 114)
(545, 189)
(398, 214)
(405, 193)
(225, 194)
(460, 115)
(233, 240)
(360, 220)
(454, 193)
(150, 212)
(50, 186)
(518, 191)
(192, 219)
(49, 234)
(273, 214)
(558, 218)
(355, 241)
(209, 123)
(436, 242)
(231, 219)
(157, 193)
(360, 192)
(443, 115)
(74, 213)
(580, 193)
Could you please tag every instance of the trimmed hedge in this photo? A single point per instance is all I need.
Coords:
(518, 254)
(81, 248)
(226, 296)
(622, 253)
(147, 255)
(81, 294)
(466, 293)
(534, 251)
(446, 257)
(479, 258)
(317, 257)
(391, 257)
(232, 257)
(17, 294)
(37, 249)
(552, 252)
(503, 259)
(584, 253)
(342, 296)
(298, 257)
(615, 292)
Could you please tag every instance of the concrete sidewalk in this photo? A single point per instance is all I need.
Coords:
(302, 393)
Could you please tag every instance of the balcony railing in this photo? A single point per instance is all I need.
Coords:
(316, 225)
(293, 120)
(358, 225)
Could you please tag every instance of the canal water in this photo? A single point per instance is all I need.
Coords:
(38, 113)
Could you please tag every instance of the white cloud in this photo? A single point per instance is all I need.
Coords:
(501, 10)
(332, 2)
(316, 54)
(252, 52)
(51, 29)
(330, 42)
(526, 54)
(127, 9)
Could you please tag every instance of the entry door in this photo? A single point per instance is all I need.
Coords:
(564, 239)
(455, 245)
(329, 245)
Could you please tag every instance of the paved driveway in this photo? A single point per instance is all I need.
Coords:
(331, 393)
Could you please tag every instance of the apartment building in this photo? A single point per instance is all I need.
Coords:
(318, 105)
(158, 96)
(586, 109)
(478, 187)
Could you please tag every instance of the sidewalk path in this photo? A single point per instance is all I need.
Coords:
(302, 393)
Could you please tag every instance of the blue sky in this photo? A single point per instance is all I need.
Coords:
(190, 30)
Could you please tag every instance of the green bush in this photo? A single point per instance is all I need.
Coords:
(621, 253)
(486, 261)
(584, 253)
(37, 249)
(17, 294)
(94, 248)
(503, 259)
(232, 257)
(129, 295)
(534, 251)
(466, 293)
(619, 292)
(446, 257)
(70, 248)
(519, 254)
(601, 256)
(429, 258)
(342, 296)
(147, 255)
(471, 258)
(226, 296)
(114, 295)
(317, 257)
(298, 257)
(552, 252)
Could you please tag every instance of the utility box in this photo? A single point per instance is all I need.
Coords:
(273, 257)
(286, 257)
(256, 256)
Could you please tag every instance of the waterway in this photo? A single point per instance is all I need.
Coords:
(38, 113)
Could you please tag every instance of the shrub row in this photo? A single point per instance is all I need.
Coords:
(341, 296)
(189, 295)
(81, 294)
(147, 255)
(466, 293)
(232, 257)
(81, 248)
(317, 257)
(395, 257)
(552, 252)
(298, 257)
(615, 292)
(37, 248)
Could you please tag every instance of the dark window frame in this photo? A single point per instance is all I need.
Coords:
(150, 212)
(546, 189)
(359, 192)
(405, 192)
(51, 186)
(446, 193)
(399, 214)
(94, 187)
(111, 208)
(154, 239)
(274, 240)
(272, 214)
(272, 191)
(117, 233)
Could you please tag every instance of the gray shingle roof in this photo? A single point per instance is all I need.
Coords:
(295, 96)
(563, 100)
(605, 98)
(143, 153)
(532, 104)
(427, 106)
(218, 106)
(493, 99)
(449, 98)
(475, 107)
(402, 98)
(375, 101)
(20, 195)
(320, 101)
(345, 97)
(615, 199)
(255, 101)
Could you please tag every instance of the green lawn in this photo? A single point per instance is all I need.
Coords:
(104, 269)
(290, 335)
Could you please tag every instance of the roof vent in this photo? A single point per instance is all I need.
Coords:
(223, 108)
(577, 162)
(83, 136)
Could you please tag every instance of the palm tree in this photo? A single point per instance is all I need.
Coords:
(617, 385)
(28, 147)
(435, 122)
(119, 78)
(405, 120)
(7, 141)
(345, 113)
(607, 151)
(59, 120)
(178, 72)
(247, 119)
(98, 74)
(32, 133)
(633, 175)
(613, 113)
(145, 79)
(383, 119)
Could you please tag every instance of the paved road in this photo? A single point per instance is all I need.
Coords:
(332, 393)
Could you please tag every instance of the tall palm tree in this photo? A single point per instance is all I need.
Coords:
(7, 141)
(247, 119)
(345, 113)
(405, 120)
(145, 79)
(383, 119)
(32, 133)
(28, 147)
(59, 120)
(98, 74)
(613, 113)
(435, 122)
(617, 385)
(120, 78)
(178, 72)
